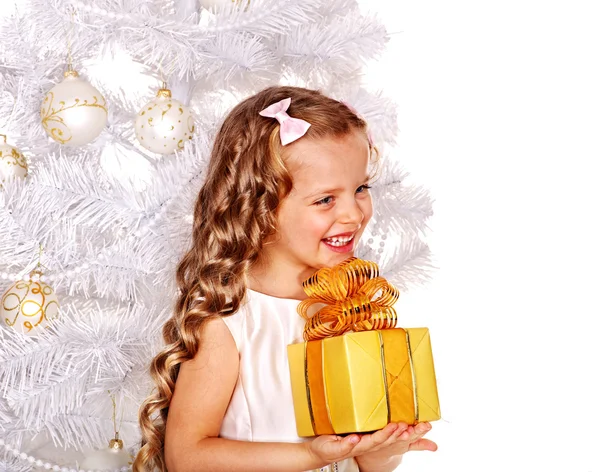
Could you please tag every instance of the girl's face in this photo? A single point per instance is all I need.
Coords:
(321, 221)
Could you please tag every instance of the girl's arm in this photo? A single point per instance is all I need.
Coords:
(202, 393)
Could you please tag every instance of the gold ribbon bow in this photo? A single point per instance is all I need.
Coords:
(348, 291)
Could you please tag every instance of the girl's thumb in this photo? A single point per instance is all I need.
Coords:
(341, 447)
(349, 442)
(423, 445)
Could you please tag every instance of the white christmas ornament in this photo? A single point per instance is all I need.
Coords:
(164, 124)
(12, 161)
(29, 305)
(113, 457)
(73, 112)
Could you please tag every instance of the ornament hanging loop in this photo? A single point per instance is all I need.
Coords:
(39, 267)
(164, 90)
(69, 35)
(39, 264)
(115, 444)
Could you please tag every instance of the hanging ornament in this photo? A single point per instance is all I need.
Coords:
(115, 455)
(12, 161)
(29, 305)
(164, 124)
(112, 457)
(73, 112)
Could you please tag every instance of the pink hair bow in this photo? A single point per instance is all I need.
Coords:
(290, 128)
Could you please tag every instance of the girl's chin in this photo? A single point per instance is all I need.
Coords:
(332, 260)
(338, 258)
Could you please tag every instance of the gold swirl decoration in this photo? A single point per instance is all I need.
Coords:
(28, 305)
(356, 298)
(55, 125)
(18, 159)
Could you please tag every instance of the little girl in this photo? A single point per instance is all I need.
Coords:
(286, 193)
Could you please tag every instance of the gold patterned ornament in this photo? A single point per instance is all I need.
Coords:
(164, 124)
(28, 306)
(73, 112)
(12, 161)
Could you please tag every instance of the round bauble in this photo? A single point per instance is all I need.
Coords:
(112, 457)
(12, 161)
(73, 112)
(29, 305)
(164, 124)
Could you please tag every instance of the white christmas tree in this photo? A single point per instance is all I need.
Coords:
(106, 222)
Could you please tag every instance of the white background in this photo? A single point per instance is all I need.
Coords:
(499, 110)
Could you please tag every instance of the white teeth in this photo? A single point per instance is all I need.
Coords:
(335, 241)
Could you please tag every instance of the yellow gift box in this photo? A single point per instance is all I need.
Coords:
(359, 381)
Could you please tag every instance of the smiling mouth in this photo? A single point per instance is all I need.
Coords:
(339, 241)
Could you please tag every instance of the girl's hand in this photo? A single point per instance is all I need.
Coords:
(403, 439)
(329, 448)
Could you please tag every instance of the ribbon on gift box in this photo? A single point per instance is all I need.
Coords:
(356, 298)
(330, 397)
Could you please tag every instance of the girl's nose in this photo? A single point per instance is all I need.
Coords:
(351, 213)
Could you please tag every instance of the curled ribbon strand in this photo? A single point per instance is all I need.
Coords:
(356, 298)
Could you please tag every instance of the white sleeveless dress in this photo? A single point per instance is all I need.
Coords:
(261, 407)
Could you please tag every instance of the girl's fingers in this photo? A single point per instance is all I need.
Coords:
(331, 446)
(408, 433)
(422, 445)
(352, 440)
(394, 438)
(371, 441)
(381, 436)
(355, 444)
(343, 446)
(422, 428)
(415, 432)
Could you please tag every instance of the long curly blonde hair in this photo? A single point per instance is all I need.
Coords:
(235, 212)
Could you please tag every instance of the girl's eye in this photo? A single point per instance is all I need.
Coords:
(324, 201)
(363, 188)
